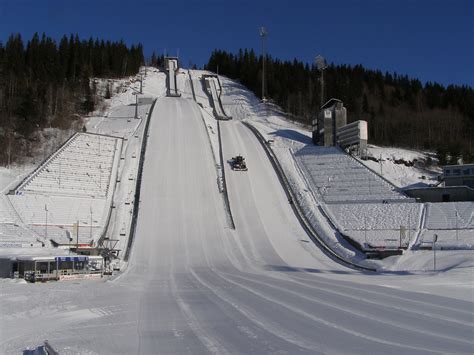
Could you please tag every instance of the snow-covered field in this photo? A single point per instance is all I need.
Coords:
(195, 286)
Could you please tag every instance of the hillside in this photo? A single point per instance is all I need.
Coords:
(400, 111)
(44, 85)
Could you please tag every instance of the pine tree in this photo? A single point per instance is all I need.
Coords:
(43, 84)
(413, 116)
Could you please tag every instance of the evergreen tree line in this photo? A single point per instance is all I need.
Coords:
(157, 61)
(400, 111)
(47, 84)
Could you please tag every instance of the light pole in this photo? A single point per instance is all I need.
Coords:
(90, 207)
(365, 230)
(136, 105)
(457, 230)
(263, 34)
(46, 223)
(321, 64)
(435, 239)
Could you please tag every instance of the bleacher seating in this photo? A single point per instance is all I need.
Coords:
(75, 180)
(14, 235)
(380, 216)
(7, 214)
(450, 215)
(61, 209)
(389, 239)
(340, 178)
(64, 234)
(82, 167)
(62, 212)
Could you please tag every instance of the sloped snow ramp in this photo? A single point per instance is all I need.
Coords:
(194, 286)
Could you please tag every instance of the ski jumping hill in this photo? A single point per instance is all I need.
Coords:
(195, 285)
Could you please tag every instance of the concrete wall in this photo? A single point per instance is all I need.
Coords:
(6, 267)
(442, 194)
(340, 119)
(459, 181)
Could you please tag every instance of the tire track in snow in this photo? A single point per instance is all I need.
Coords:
(328, 324)
(271, 327)
(295, 280)
(339, 307)
(262, 326)
(404, 300)
(207, 339)
(386, 305)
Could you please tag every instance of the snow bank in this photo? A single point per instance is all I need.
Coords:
(403, 167)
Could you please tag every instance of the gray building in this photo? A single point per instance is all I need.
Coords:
(442, 194)
(332, 116)
(459, 175)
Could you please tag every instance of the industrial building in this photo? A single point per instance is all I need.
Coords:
(459, 175)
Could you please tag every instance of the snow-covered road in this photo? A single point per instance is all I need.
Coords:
(195, 286)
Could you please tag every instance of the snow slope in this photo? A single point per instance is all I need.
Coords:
(195, 286)
(324, 176)
(400, 174)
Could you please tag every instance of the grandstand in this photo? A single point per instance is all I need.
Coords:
(357, 216)
(13, 235)
(81, 167)
(452, 222)
(62, 212)
(7, 213)
(375, 225)
(74, 185)
(450, 215)
(362, 205)
(447, 239)
(339, 178)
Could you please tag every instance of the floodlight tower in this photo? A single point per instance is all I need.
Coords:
(321, 64)
(263, 34)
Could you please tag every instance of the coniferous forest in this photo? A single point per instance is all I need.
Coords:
(400, 111)
(47, 84)
(44, 83)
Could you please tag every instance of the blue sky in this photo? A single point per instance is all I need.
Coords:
(432, 40)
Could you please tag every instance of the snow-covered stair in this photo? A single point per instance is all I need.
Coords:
(450, 215)
(339, 178)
